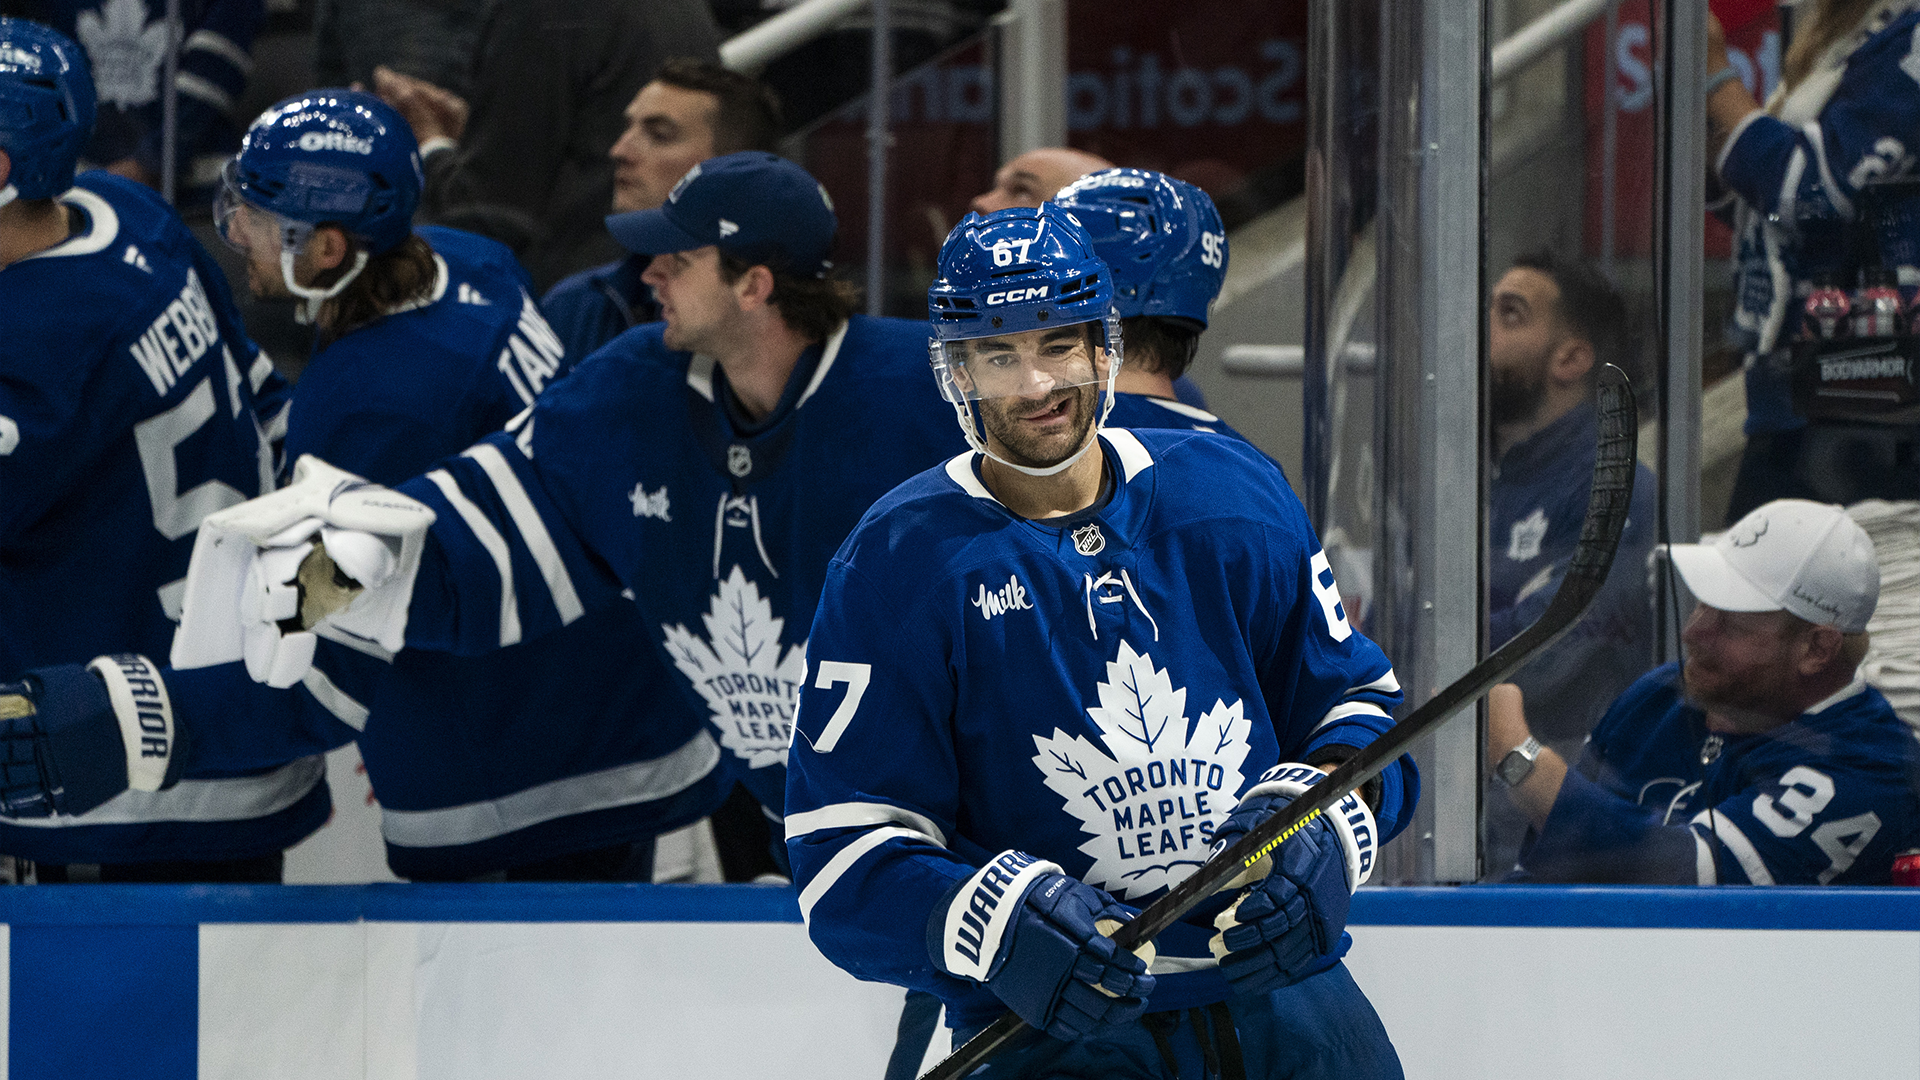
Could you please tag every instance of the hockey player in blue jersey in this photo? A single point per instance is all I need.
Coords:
(544, 761)
(131, 405)
(1763, 759)
(1164, 242)
(709, 464)
(1048, 678)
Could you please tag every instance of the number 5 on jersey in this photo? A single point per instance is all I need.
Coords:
(835, 673)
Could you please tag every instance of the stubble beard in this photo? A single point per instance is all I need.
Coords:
(1039, 452)
(1514, 397)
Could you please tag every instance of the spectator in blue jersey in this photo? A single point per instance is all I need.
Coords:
(701, 469)
(1796, 181)
(127, 41)
(1054, 675)
(131, 405)
(549, 82)
(1551, 323)
(1763, 758)
(537, 763)
(691, 111)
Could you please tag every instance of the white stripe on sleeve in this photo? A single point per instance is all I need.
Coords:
(843, 861)
(335, 700)
(496, 546)
(1350, 708)
(848, 815)
(1736, 842)
(222, 46)
(533, 531)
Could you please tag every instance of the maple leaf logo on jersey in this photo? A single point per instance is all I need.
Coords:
(1154, 788)
(126, 51)
(738, 668)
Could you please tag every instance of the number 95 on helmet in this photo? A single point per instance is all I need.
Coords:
(1008, 281)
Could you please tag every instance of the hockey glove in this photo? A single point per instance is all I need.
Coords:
(1037, 939)
(327, 548)
(72, 737)
(1291, 922)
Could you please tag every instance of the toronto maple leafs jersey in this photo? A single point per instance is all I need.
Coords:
(131, 406)
(630, 475)
(126, 43)
(1147, 411)
(1829, 798)
(1097, 691)
(545, 748)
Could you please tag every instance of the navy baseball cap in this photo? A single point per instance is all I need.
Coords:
(753, 205)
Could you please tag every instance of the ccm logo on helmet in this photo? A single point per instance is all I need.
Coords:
(334, 140)
(1015, 296)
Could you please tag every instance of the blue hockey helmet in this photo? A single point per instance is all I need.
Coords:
(332, 157)
(1161, 237)
(46, 109)
(1015, 271)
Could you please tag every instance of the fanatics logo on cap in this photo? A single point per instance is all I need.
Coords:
(727, 228)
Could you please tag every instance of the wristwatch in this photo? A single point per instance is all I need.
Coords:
(1518, 764)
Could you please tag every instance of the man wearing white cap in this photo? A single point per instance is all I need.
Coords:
(1762, 758)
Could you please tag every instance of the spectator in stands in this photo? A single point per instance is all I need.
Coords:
(1034, 176)
(428, 39)
(691, 111)
(1552, 323)
(550, 80)
(126, 40)
(1762, 758)
(1797, 177)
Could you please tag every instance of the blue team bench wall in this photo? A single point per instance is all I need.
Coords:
(402, 982)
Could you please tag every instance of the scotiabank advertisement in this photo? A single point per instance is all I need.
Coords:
(1753, 48)
(1211, 91)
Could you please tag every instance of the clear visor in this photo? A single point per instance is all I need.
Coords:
(1031, 364)
(246, 228)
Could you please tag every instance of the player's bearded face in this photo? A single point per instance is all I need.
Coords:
(696, 302)
(1037, 393)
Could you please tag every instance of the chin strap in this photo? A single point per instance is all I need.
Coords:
(970, 427)
(311, 299)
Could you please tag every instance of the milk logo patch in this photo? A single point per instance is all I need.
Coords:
(750, 686)
(1088, 540)
(1523, 542)
(1151, 791)
(126, 51)
(739, 460)
(1009, 597)
(651, 504)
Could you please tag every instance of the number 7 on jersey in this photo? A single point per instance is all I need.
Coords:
(856, 677)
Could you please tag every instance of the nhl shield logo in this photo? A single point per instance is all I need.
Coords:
(1089, 540)
(739, 460)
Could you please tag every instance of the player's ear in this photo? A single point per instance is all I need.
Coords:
(6, 168)
(328, 247)
(755, 287)
(1572, 360)
(1818, 648)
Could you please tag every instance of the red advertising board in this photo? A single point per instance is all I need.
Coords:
(1753, 47)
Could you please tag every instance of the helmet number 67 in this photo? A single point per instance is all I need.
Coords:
(1003, 251)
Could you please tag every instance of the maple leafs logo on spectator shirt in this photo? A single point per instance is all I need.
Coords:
(738, 668)
(126, 51)
(1155, 786)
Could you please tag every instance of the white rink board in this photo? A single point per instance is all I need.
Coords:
(1580, 1003)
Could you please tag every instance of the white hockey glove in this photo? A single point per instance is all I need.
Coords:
(1291, 920)
(328, 548)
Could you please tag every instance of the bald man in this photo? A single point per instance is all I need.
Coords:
(1034, 176)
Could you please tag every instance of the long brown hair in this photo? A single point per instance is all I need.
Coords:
(392, 278)
(1827, 23)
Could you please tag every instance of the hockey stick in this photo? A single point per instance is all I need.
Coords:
(1613, 470)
